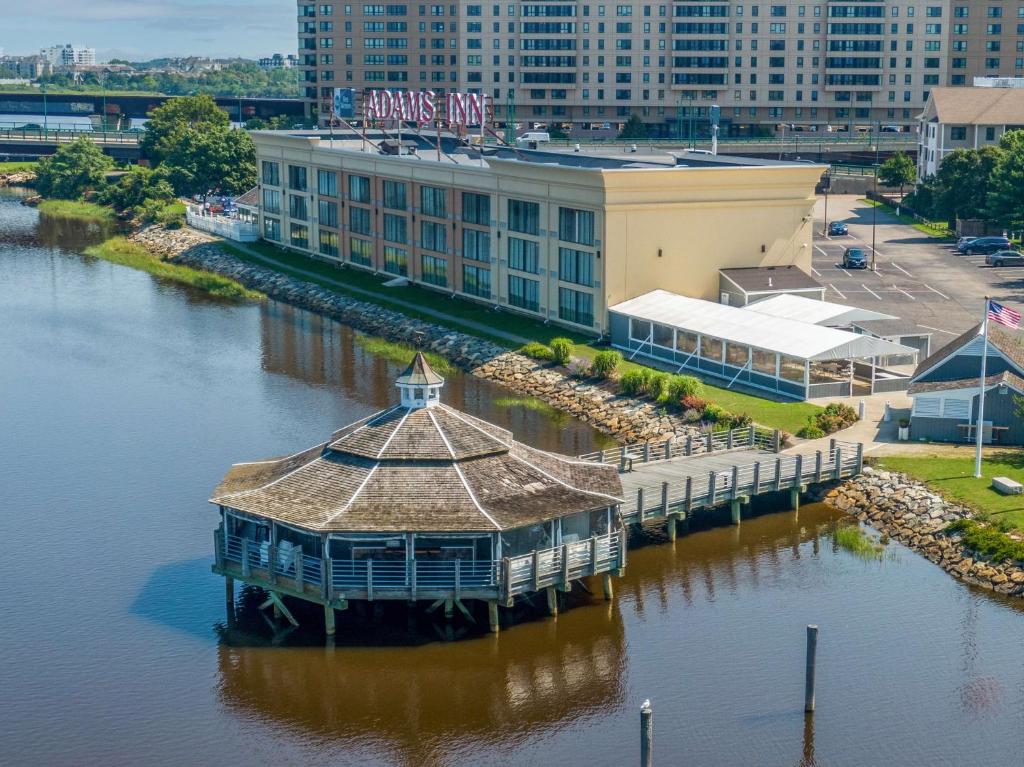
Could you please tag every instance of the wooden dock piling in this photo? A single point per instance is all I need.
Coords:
(812, 652)
(609, 588)
(329, 628)
(552, 600)
(229, 599)
(492, 616)
(646, 735)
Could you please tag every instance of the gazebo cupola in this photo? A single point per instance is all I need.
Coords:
(419, 385)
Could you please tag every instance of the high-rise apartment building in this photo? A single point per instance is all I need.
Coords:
(69, 55)
(592, 65)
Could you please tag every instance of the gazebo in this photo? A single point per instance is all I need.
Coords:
(418, 502)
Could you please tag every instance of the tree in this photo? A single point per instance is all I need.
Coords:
(169, 122)
(136, 187)
(1007, 191)
(963, 182)
(72, 170)
(634, 128)
(899, 170)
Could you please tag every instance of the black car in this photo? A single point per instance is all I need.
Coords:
(1005, 258)
(837, 228)
(855, 258)
(985, 245)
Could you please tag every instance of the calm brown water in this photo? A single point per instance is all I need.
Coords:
(123, 400)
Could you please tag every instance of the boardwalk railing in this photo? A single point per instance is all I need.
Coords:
(744, 438)
(369, 578)
(842, 459)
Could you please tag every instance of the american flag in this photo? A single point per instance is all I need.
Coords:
(1004, 315)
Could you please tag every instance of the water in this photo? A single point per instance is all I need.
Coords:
(122, 401)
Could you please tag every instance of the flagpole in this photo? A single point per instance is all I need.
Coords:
(979, 424)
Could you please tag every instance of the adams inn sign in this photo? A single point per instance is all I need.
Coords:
(421, 107)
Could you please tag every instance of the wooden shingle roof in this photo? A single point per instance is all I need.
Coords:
(427, 469)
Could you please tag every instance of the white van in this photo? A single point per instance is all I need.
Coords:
(534, 137)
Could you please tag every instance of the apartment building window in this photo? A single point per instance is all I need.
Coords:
(991, 63)
(995, 29)
(327, 183)
(576, 226)
(575, 306)
(328, 213)
(476, 245)
(476, 208)
(396, 261)
(476, 281)
(359, 221)
(271, 173)
(994, 12)
(395, 228)
(435, 270)
(933, 29)
(433, 202)
(326, 10)
(961, 11)
(272, 229)
(960, 29)
(271, 201)
(297, 207)
(328, 243)
(777, 28)
(524, 217)
(359, 189)
(778, 10)
(958, 133)
(623, 10)
(960, 45)
(523, 255)
(360, 251)
(297, 178)
(434, 236)
(992, 45)
(523, 293)
(394, 196)
(299, 236)
(576, 266)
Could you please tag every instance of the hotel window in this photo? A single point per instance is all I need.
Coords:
(359, 188)
(329, 243)
(476, 281)
(395, 228)
(328, 213)
(435, 270)
(297, 207)
(433, 236)
(396, 261)
(271, 201)
(576, 226)
(476, 245)
(297, 178)
(359, 221)
(394, 195)
(476, 208)
(272, 229)
(523, 293)
(327, 183)
(299, 235)
(271, 173)
(524, 216)
(575, 306)
(361, 251)
(576, 266)
(432, 202)
(523, 255)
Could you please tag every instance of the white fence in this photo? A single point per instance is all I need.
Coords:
(222, 226)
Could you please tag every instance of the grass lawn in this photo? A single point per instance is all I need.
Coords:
(953, 476)
(85, 211)
(788, 416)
(17, 167)
(935, 229)
(118, 250)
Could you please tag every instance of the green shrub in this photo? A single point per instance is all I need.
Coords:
(657, 386)
(537, 351)
(715, 413)
(605, 363)
(172, 215)
(561, 350)
(987, 541)
(633, 383)
(740, 420)
(811, 430)
(684, 386)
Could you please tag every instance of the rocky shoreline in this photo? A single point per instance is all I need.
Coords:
(21, 178)
(626, 419)
(907, 511)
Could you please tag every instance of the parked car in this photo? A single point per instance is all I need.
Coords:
(1005, 258)
(855, 258)
(962, 242)
(837, 228)
(986, 245)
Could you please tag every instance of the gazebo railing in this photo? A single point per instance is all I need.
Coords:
(561, 564)
(283, 561)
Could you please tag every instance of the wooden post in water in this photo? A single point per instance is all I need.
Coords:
(812, 651)
(646, 735)
(552, 601)
(329, 620)
(229, 598)
(609, 588)
(492, 616)
(734, 510)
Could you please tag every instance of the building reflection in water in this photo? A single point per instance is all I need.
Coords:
(321, 352)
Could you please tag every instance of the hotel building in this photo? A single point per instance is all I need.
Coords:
(557, 236)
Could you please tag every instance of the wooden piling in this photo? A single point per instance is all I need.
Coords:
(492, 616)
(670, 526)
(552, 600)
(646, 735)
(734, 510)
(609, 588)
(329, 620)
(794, 498)
(229, 598)
(812, 651)
(449, 609)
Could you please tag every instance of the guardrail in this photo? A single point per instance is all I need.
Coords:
(69, 134)
(743, 438)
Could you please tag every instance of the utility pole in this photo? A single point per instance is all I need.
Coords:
(510, 118)
(42, 87)
(874, 218)
(828, 183)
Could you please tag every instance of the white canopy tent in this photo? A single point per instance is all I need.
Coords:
(802, 309)
(794, 338)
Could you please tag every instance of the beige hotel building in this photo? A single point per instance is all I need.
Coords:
(557, 236)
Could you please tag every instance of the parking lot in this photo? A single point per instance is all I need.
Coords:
(915, 278)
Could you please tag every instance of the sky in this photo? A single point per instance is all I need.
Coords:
(145, 29)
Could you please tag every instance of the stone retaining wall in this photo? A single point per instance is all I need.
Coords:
(624, 418)
(907, 511)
